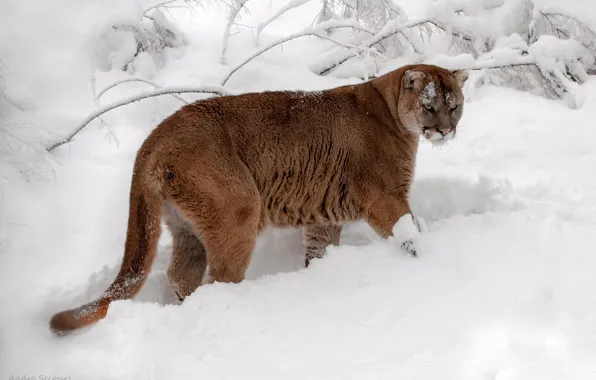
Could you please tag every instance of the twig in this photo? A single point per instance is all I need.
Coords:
(316, 31)
(592, 34)
(291, 5)
(111, 134)
(18, 225)
(5, 98)
(5, 133)
(135, 80)
(394, 8)
(158, 5)
(29, 145)
(234, 11)
(452, 30)
(163, 91)
(489, 64)
(389, 30)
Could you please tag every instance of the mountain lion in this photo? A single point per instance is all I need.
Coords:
(221, 170)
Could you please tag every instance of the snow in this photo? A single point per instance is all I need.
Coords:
(428, 94)
(566, 52)
(581, 9)
(503, 287)
(285, 8)
(483, 19)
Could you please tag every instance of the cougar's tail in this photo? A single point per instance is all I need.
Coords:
(141, 243)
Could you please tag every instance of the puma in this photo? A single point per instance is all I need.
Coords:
(221, 170)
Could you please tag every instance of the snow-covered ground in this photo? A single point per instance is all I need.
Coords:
(504, 288)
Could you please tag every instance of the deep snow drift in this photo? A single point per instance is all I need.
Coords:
(503, 288)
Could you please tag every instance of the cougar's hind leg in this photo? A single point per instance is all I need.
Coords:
(230, 251)
(316, 240)
(231, 239)
(223, 206)
(189, 258)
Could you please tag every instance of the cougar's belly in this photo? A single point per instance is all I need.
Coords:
(295, 202)
(302, 183)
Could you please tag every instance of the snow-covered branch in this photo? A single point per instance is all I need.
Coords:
(6, 99)
(235, 9)
(158, 6)
(136, 80)
(562, 26)
(392, 28)
(216, 90)
(291, 5)
(312, 31)
(146, 37)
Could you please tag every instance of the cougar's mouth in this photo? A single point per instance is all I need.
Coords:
(436, 136)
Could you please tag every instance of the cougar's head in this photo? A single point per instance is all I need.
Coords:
(431, 102)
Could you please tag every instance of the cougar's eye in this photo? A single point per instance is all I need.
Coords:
(453, 108)
(429, 108)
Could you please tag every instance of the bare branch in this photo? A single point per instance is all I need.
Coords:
(316, 31)
(135, 80)
(216, 90)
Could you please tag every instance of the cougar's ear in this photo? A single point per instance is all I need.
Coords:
(461, 76)
(413, 80)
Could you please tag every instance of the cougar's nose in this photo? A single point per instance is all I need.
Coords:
(444, 131)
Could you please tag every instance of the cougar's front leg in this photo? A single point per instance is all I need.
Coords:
(385, 212)
(316, 240)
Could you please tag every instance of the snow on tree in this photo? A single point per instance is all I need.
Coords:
(514, 43)
(235, 9)
(137, 44)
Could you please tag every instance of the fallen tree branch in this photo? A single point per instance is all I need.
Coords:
(135, 80)
(312, 31)
(216, 90)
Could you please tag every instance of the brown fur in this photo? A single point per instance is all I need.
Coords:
(221, 170)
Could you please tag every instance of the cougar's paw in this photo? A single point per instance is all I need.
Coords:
(180, 298)
(410, 247)
(407, 231)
